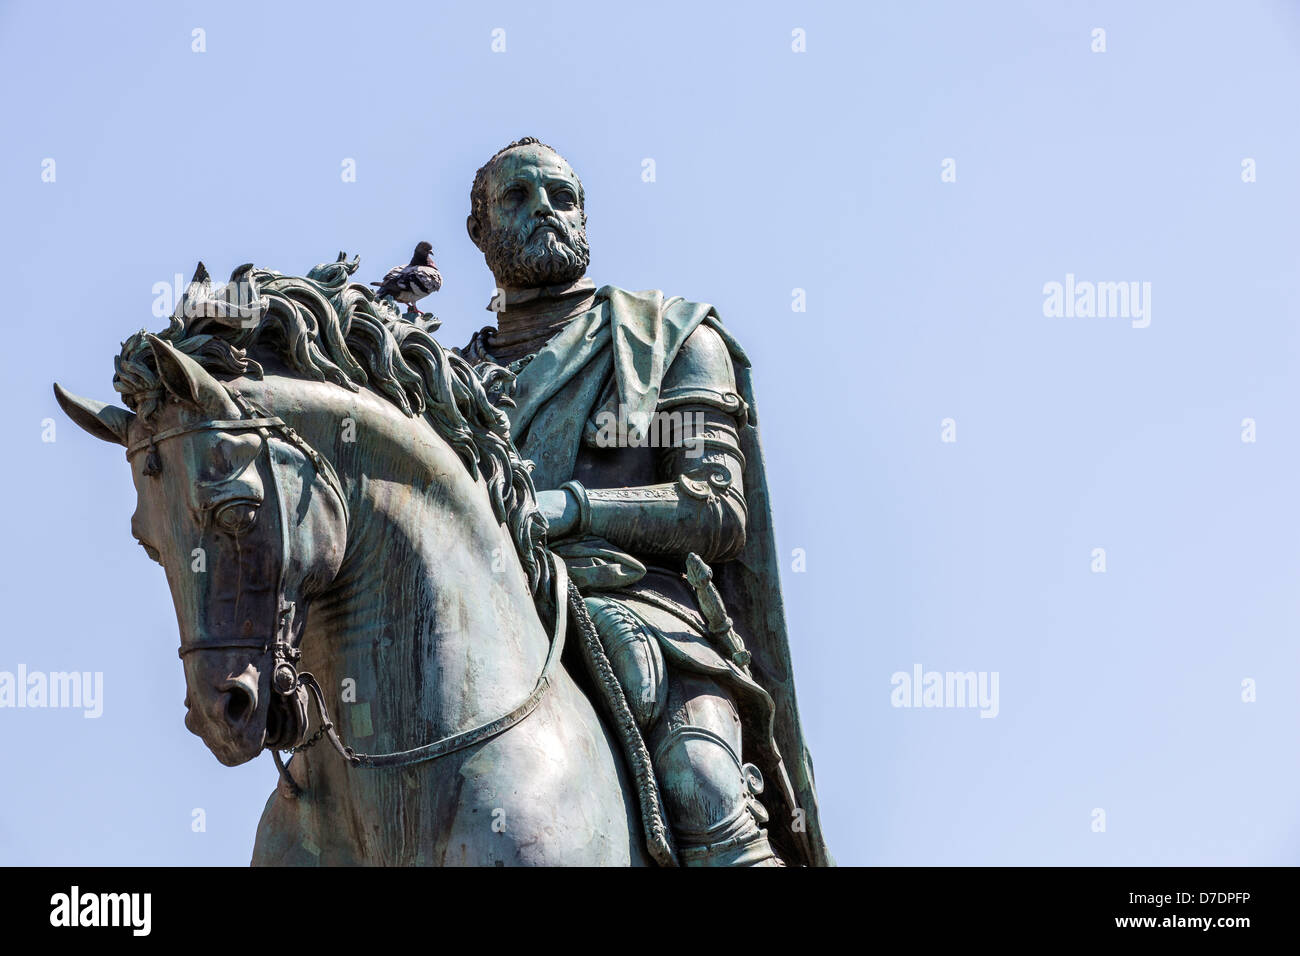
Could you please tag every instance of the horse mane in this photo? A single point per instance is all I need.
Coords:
(325, 328)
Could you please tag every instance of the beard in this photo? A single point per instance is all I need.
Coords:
(522, 260)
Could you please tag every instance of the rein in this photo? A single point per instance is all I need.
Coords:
(286, 679)
(464, 738)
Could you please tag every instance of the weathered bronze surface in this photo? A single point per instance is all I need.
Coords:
(638, 410)
(470, 672)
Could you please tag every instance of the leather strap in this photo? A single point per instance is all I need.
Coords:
(474, 735)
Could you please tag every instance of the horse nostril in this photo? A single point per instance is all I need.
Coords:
(239, 705)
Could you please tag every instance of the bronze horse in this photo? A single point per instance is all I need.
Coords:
(348, 531)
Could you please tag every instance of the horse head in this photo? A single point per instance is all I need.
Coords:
(249, 523)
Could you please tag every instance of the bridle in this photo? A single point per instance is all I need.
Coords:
(286, 679)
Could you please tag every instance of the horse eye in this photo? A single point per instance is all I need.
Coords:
(237, 517)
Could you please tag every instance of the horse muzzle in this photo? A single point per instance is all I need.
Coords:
(229, 713)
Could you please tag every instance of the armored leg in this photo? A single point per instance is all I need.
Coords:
(711, 797)
(635, 657)
(692, 728)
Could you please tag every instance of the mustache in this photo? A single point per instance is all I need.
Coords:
(528, 230)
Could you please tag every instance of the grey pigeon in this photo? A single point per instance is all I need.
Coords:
(411, 282)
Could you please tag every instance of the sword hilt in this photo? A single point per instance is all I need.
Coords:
(716, 619)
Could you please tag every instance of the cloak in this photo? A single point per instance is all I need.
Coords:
(618, 352)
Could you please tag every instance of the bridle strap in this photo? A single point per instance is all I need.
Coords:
(228, 425)
(227, 646)
(284, 675)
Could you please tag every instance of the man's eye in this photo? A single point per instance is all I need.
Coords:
(565, 197)
(513, 194)
(236, 518)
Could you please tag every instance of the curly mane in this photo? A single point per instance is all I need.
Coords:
(325, 328)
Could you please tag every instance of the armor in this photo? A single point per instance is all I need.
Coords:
(693, 731)
(637, 413)
(693, 503)
(691, 724)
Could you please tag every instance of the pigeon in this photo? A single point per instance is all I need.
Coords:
(411, 282)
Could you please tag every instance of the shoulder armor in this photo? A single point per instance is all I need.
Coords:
(702, 374)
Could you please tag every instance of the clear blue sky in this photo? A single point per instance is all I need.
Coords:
(775, 170)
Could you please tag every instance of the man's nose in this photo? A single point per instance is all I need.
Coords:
(542, 205)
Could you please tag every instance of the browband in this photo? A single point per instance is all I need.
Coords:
(233, 424)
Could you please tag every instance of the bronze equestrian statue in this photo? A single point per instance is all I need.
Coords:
(467, 671)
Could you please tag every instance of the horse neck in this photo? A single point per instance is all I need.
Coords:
(430, 615)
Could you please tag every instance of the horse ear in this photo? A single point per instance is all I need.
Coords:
(105, 422)
(199, 289)
(189, 381)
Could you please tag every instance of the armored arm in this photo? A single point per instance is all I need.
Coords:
(699, 504)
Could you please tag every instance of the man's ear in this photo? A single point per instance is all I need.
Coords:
(474, 229)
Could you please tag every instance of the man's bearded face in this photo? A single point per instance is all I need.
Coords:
(534, 234)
